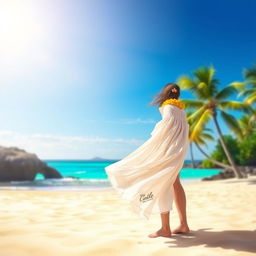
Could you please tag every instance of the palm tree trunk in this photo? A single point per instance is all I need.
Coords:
(237, 172)
(213, 160)
(192, 157)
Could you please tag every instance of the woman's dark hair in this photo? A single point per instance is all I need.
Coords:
(168, 92)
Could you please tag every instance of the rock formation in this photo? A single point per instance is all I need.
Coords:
(18, 165)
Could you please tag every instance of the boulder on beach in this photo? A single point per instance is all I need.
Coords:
(18, 165)
(227, 173)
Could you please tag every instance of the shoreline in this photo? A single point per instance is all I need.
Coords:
(74, 188)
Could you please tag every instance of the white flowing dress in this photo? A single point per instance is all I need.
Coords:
(145, 177)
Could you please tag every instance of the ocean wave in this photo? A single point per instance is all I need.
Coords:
(57, 184)
(67, 183)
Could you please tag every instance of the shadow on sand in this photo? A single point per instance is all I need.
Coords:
(239, 240)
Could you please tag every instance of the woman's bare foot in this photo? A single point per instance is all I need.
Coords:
(181, 229)
(161, 232)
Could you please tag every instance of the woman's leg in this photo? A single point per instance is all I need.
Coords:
(165, 229)
(180, 202)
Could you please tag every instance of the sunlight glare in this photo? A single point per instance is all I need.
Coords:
(20, 28)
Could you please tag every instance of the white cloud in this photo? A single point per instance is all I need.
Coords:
(50, 146)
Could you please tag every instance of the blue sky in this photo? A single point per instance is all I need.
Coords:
(77, 76)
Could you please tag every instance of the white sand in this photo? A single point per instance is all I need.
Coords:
(221, 215)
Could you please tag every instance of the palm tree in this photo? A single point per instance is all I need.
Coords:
(200, 140)
(209, 102)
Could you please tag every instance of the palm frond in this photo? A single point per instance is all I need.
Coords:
(224, 105)
(252, 82)
(243, 121)
(238, 85)
(208, 136)
(189, 113)
(204, 74)
(186, 83)
(247, 124)
(252, 122)
(207, 84)
(250, 73)
(225, 92)
(192, 103)
(200, 141)
(246, 92)
(200, 124)
(251, 99)
(211, 74)
(196, 114)
(231, 122)
(207, 129)
(202, 86)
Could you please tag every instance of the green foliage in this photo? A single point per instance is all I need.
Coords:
(206, 163)
(219, 154)
(243, 152)
(247, 148)
(232, 146)
(211, 100)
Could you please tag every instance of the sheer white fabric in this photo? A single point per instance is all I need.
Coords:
(145, 177)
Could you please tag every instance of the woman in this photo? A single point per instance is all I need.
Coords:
(149, 176)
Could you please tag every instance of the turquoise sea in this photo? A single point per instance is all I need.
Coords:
(89, 175)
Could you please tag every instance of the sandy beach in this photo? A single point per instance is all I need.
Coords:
(221, 215)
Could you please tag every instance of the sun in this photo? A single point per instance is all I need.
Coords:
(20, 28)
